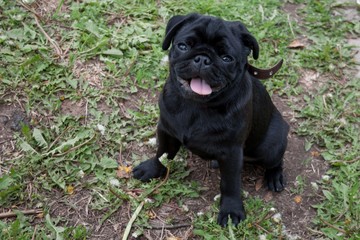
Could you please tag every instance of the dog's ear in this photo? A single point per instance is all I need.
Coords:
(174, 24)
(250, 42)
(240, 31)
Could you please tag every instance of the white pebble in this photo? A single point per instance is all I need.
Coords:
(314, 186)
(149, 200)
(114, 182)
(326, 178)
(81, 173)
(217, 197)
(152, 142)
(185, 208)
(262, 237)
(276, 218)
(199, 214)
(101, 129)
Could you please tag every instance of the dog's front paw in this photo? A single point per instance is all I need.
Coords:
(274, 179)
(233, 208)
(149, 169)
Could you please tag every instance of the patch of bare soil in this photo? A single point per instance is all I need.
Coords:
(46, 8)
(91, 71)
(76, 109)
(12, 116)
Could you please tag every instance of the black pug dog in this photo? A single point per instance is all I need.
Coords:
(216, 109)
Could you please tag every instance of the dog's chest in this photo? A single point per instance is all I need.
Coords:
(187, 127)
(201, 131)
(193, 130)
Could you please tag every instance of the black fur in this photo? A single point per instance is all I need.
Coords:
(237, 119)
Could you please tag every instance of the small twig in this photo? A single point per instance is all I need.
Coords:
(181, 225)
(341, 215)
(129, 68)
(258, 222)
(160, 184)
(7, 140)
(315, 231)
(3, 115)
(85, 53)
(265, 217)
(332, 226)
(354, 160)
(20, 104)
(188, 233)
(29, 9)
(120, 155)
(162, 234)
(33, 236)
(58, 137)
(68, 48)
(290, 25)
(86, 111)
(115, 193)
(261, 228)
(58, 50)
(74, 148)
(25, 212)
(87, 206)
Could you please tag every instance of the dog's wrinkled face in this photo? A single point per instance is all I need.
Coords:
(207, 55)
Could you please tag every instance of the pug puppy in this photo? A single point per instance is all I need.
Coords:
(214, 107)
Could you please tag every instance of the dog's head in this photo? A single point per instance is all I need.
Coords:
(208, 54)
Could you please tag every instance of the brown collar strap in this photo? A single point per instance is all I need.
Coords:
(264, 73)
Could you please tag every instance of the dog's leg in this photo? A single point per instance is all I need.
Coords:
(230, 202)
(152, 168)
(271, 152)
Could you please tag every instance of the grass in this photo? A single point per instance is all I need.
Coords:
(62, 154)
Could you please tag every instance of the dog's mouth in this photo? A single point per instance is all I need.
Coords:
(198, 85)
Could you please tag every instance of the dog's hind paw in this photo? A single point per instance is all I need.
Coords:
(151, 168)
(274, 179)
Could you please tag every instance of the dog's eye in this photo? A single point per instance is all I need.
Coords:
(182, 47)
(227, 58)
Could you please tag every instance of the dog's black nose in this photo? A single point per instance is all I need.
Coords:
(202, 59)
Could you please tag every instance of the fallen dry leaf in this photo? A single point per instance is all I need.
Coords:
(315, 154)
(268, 196)
(296, 44)
(70, 190)
(173, 238)
(151, 214)
(297, 199)
(123, 172)
(258, 184)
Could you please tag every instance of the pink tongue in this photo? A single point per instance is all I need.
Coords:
(199, 86)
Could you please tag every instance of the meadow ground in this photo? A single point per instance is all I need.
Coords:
(78, 109)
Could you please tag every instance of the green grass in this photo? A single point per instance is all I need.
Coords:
(58, 150)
